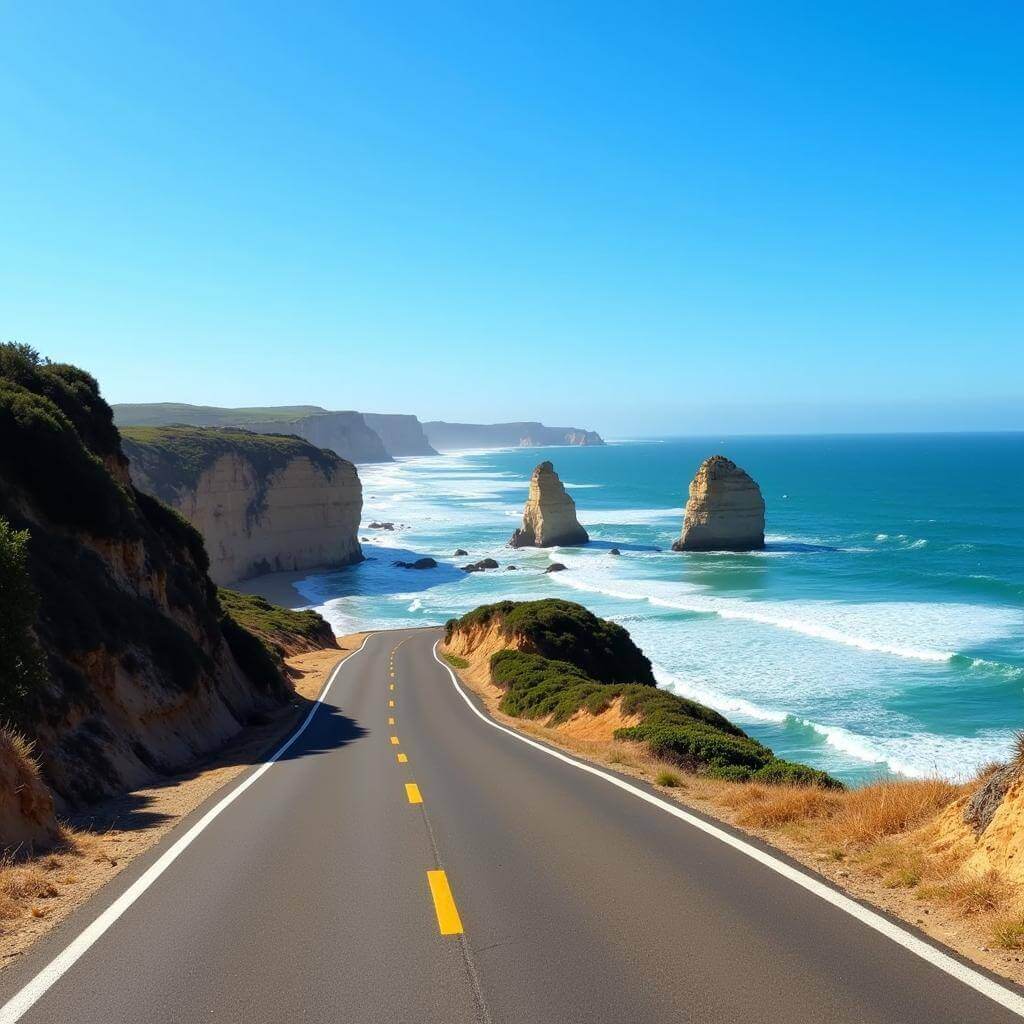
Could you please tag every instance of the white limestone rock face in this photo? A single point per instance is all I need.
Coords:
(725, 510)
(300, 516)
(549, 517)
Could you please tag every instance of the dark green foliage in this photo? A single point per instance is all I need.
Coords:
(89, 576)
(254, 657)
(567, 631)
(793, 773)
(175, 457)
(281, 629)
(22, 667)
(174, 525)
(43, 453)
(542, 686)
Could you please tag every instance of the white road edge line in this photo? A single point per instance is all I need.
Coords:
(16, 1007)
(986, 986)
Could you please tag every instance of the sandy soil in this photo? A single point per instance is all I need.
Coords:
(278, 588)
(593, 742)
(37, 894)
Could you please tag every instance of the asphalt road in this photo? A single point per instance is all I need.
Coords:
(520, 889)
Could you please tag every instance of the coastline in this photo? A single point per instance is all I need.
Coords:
(279, 587)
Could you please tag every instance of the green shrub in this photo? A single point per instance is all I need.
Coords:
(540, 685)
(22, 665)
(455, 661)
(795, 774)
(566, 631)
(281, 629)
(254, 657)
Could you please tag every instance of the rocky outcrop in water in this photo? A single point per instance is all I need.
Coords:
(263, 503)
(549, 517)
(455, 436)
(724, 511)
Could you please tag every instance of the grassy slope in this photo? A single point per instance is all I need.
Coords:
(282, 630)
(557, 680)
(175, 457)
(163, 413)
(567, 631)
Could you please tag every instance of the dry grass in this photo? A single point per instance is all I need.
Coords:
(667, 777)
(887, 843)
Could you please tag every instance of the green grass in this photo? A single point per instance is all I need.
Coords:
(159, 414)
(566, 631)
(175, 457)
(553, 688)
(280, 628)
(455, 661)
(667, 778)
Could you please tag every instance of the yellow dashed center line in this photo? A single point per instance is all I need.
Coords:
(394, 741)
(391, 686)
(391, 703)
(448, 919)
(391, 721)
(402, 759)
(412, 792)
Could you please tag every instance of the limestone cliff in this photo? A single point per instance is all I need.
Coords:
(549, 517)
(454, 436)
(345, 433)
(263, 502)
(401, 434)
(724, 511)
(139, 671)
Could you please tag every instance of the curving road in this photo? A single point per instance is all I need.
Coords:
(439, 869)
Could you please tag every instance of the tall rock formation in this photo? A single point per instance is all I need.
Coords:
(725, 510)
(454, 436)
(263, 502)
(549, 517)
(401, 434)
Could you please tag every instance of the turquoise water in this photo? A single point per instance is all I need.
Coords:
(879, 632)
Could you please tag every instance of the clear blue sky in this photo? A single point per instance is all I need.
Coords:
(643, 218)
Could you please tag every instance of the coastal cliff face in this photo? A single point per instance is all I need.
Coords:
(345, 433)
(263, 503)
(724, 511)
(401, 434)
(138, 671)
(453, 436)
(549, 517)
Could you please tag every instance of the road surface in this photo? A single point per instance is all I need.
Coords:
(404, 861)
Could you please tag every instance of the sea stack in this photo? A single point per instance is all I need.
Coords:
(549, 517)
(725, 510)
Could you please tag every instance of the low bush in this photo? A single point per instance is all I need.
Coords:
(566, 631)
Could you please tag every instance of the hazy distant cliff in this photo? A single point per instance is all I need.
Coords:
(128, 666)
(401, 434)
(451, 436)
(345, 433)
(263, 502)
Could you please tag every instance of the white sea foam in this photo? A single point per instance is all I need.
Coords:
(626, 516)
(922, 631)
(921, 755)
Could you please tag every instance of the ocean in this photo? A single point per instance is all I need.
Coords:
(879, 632)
